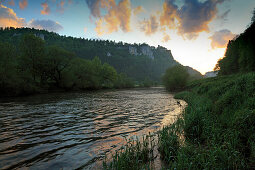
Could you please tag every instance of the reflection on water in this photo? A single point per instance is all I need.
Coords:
(76, 130)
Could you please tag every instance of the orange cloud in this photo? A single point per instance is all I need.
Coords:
(192, 18)
(166, 38)
(8, 18)
(169, 15)
(220, 38)
(100, 27)
(85, 29)
(12, 3)
(46, 9)
(149, 26)
(23, 4)
(117, 15)
(60, 6)
(138, 10)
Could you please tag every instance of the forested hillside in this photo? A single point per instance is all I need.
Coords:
(30, 66)
(139, 61)
(240, 53)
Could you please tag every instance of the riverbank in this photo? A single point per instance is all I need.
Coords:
(40, 91)
(76, 130)
(216, 129)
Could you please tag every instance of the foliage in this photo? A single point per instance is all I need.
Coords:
(34, 67)
(215, 131)
(218, 124)
(135, 154)
(116, 54)
(175, 78)
(123, 81)
(168, 143)
(240, 53)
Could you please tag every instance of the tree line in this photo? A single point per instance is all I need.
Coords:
(240, 53)
(32, 66)
(139, 67)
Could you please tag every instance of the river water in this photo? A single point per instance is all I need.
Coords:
(76, 130)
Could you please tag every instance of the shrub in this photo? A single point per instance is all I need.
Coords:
(175, 78)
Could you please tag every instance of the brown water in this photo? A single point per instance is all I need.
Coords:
(76, 130)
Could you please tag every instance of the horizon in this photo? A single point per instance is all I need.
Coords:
(198, 44)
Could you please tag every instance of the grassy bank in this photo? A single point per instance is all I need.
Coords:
(216, 129)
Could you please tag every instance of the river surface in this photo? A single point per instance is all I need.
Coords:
(76, 130)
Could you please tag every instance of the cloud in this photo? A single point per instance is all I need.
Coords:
(220, 38)
(138, 10)
(117, 16)
(45, 24)
(166, 38)
(60, 6)
(100, 27)
(224, 15)
(169, 14)
(195, 16)
(8, 18)
(23, 4)
(94, 6)
(12, 3)
(46, 9)
(85, 29)
(70, 1)
(192, 18)
(150, 26)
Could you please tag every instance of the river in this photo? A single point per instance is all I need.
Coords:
(75, 130)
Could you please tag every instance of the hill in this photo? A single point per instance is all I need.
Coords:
(240, 54)
(138, 61)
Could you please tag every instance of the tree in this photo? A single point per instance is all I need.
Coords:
(175, 78)
(58, 60)
(32, 49)
(109, 75)
(8, 68)
(253, 16)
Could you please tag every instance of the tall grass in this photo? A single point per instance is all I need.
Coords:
(216, 129)
(136, 154)
(218, 124)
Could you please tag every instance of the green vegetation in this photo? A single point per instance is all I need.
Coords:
(218, 124)
(175, 78)
(136, 64)
(240, 53)
(32, 67)
(215, 131)
(135, 154)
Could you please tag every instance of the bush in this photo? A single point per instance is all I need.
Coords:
(175, 78)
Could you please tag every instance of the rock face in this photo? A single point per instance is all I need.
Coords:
(144, 50)
(109, 54)
(211, 74)
(132, 50)
(39, 35)
(35, 34)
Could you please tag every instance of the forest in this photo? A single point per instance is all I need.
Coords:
(32, 67)
(216, 129)
(138, 61)
(240, 53)
(35, 61)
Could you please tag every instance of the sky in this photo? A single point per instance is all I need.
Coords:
(196, 31)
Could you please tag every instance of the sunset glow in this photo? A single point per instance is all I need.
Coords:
(196, 31)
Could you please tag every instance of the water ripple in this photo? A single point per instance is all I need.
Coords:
(76, 130)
